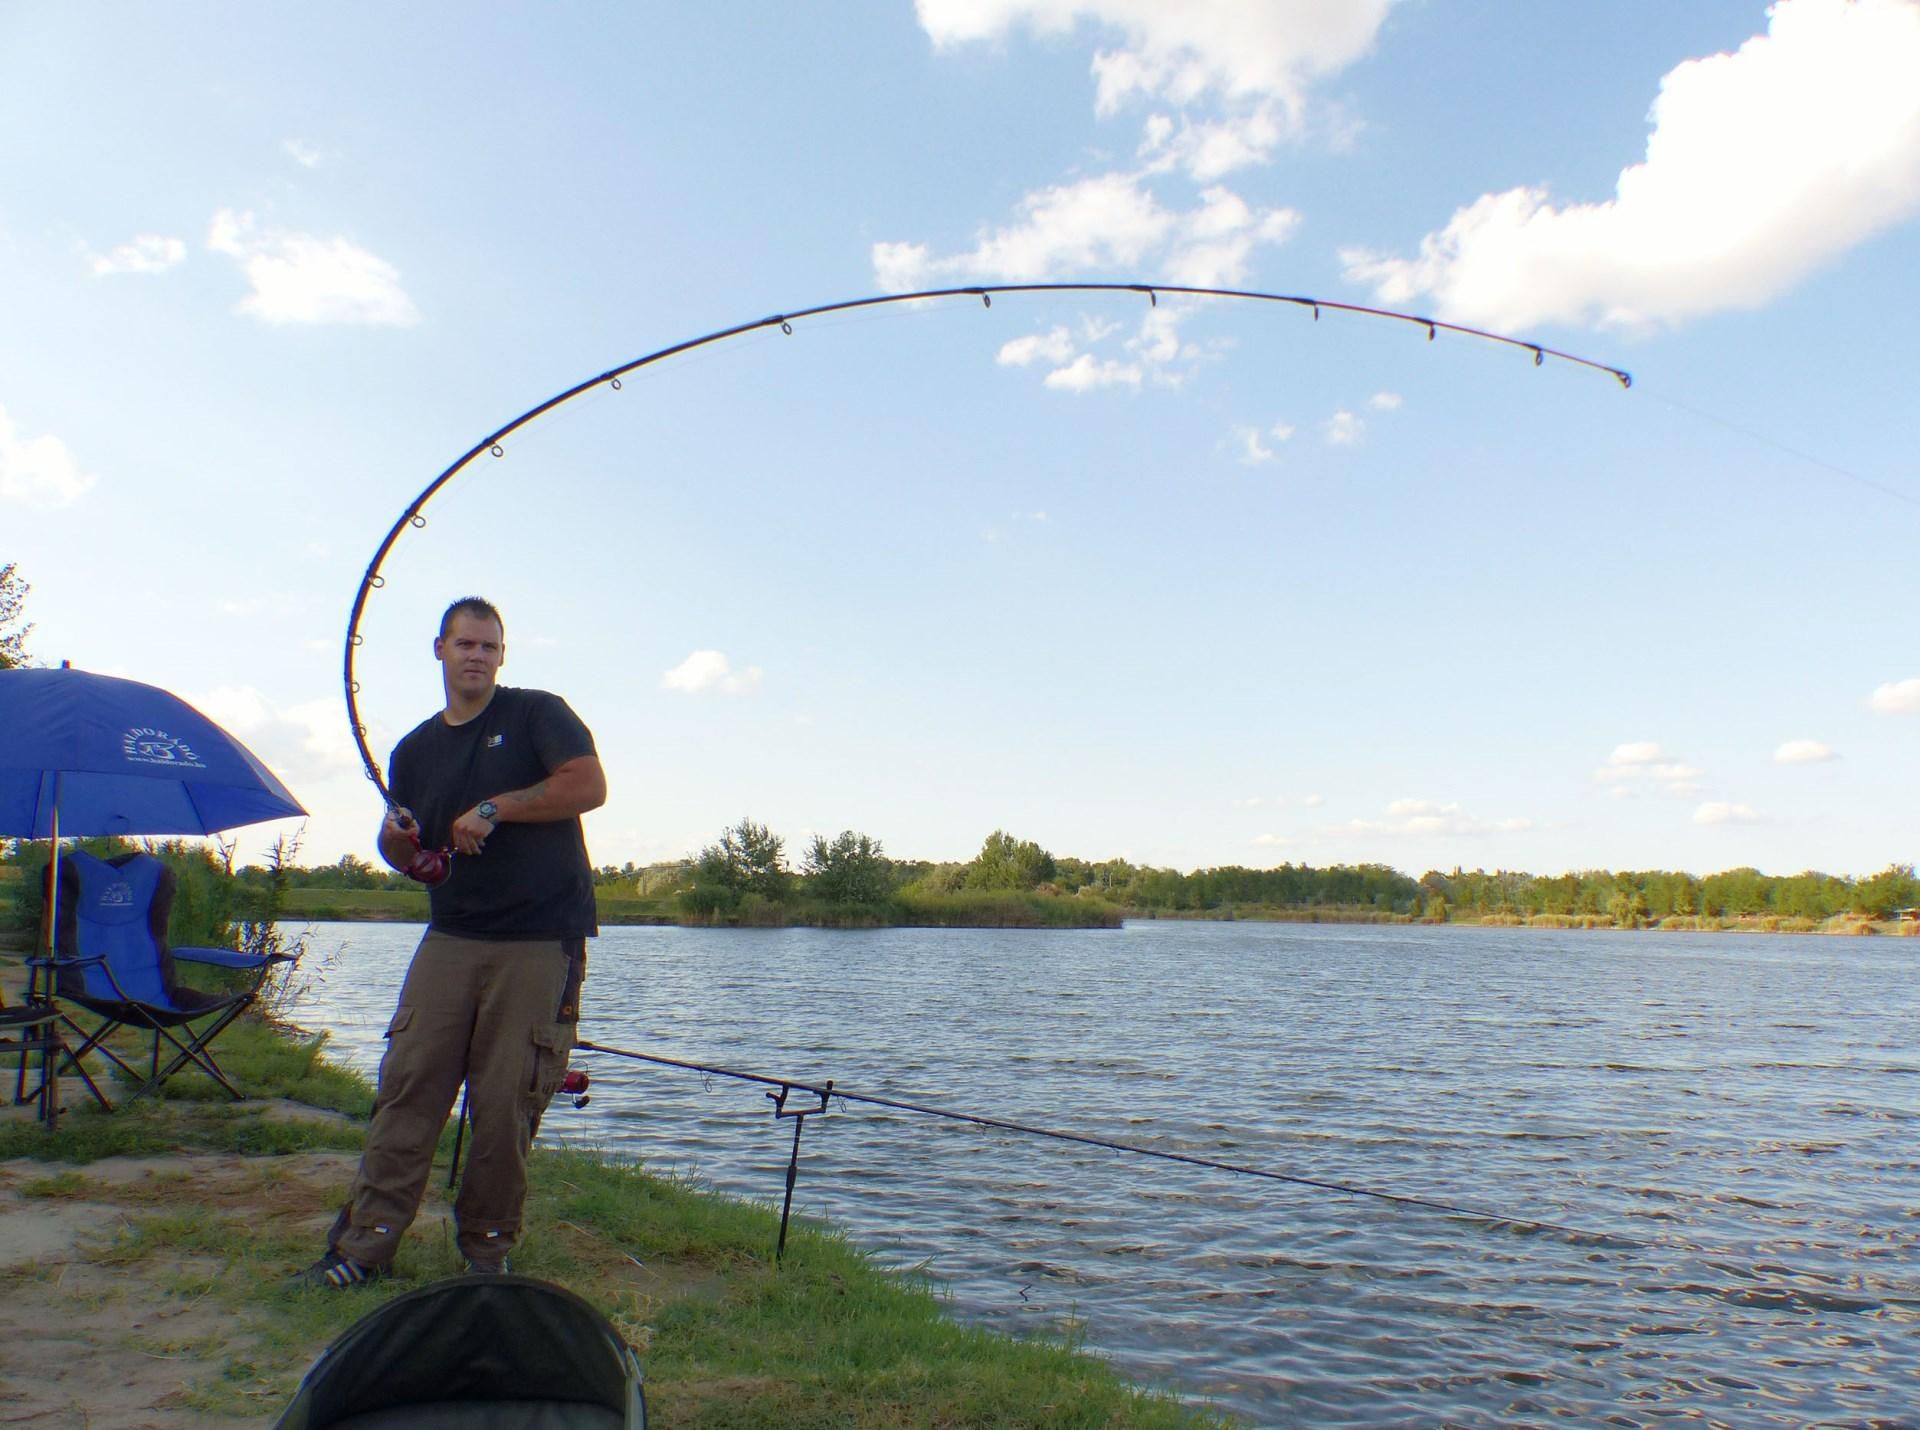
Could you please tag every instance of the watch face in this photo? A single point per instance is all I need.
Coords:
(487, 809)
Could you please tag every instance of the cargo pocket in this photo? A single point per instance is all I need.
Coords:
(551, 1044)
(391, 1060)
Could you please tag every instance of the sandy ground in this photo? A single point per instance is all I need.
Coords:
(95, 1339)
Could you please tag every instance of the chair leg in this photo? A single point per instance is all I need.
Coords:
(96, 1042)
(198, 1053)
(55, 1051)
(50, 1089)
(86, 1077)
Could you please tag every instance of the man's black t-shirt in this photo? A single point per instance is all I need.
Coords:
(533, 880)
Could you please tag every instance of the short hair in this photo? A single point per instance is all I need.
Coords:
(472, 606)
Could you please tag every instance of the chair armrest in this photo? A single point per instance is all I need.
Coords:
(44, 962)
(28, 1015)
(223, 957)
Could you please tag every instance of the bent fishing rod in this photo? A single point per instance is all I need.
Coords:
(414, 516)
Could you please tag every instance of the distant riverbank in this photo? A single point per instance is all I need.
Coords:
(1851, 925)
(1034, 910)
(1045, 907)
(1848, 925)
(971, 908)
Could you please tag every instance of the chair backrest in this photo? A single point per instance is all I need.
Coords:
(117, 909)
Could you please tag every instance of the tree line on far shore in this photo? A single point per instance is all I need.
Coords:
(749, 862)
(746, 875)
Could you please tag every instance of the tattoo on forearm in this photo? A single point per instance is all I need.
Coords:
(532, 794)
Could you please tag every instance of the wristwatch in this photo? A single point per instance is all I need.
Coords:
(488, 811)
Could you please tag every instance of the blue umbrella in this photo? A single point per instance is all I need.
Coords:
(93, 754)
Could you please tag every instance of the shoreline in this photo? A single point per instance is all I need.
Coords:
(145, 1253)
(14, 940)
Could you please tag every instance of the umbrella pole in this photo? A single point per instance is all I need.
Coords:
(53, 891)
(50, 1057)
(53, 880)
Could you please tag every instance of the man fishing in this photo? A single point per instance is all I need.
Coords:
(487, 798)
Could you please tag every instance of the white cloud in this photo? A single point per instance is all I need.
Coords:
(1639, 752)
(1215, 242)
(1431, 818)
(306, 155)
(1314, 801)
(1108, 221)
(1242, 65)
(145, 253)
(1761, 166)
(1720, 812)
(1644, 763)
(1018, 518)
(1344, 429)
(38, 471)
(1211, 149)
(1252, 446)
(1251, 442)
(1385, 401)
(1158, 340)
(1234, 48)
(298, 278)
(1900, 697)
(1270, 840)
(1054, 346)
(901, 267)
(1803, 752)
(1105, 223)
(710, 670)
(305, 740)
(1086, 372)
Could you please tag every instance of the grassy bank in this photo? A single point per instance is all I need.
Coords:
(965, 909)
(1270, 914)
(828, 1338)
(410, 906)
(357, 905)
(1846, 925)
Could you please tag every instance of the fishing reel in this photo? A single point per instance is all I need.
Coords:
(428, 866)
(575, 1085)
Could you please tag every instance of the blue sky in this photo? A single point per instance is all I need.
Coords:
(1200, 584)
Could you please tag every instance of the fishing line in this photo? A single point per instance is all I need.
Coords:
(493, 444)
(830, 1091)
(1699, 414)
(1721, 1258)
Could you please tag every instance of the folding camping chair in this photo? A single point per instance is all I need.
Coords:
(503, 1352)
(112, 958)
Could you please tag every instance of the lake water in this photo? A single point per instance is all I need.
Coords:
(1732, 1119)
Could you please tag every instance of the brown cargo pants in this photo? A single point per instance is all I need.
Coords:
(500, 1017)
